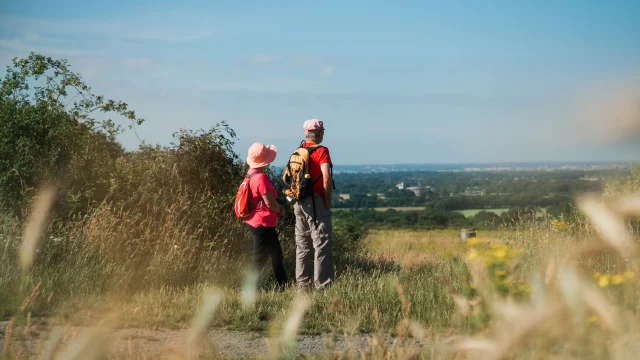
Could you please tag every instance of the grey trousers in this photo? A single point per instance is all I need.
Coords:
(315, 236)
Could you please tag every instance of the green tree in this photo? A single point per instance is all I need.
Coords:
(49, 132)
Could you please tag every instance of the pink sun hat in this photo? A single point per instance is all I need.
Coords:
(313, 125)
(261, 155)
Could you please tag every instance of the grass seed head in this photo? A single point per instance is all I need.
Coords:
(36, 225)
(629, 205)
(609, 225)
(294, 320)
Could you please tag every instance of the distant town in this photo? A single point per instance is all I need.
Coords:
(495, 167)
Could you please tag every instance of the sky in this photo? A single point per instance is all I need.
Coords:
(403, 82)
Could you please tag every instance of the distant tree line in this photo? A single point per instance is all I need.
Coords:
(433, 218)
(468, 190)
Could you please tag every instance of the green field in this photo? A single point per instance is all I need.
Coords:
(472, 212)
(401, 208)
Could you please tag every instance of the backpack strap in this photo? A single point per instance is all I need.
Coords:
(311, 149)
(248, 177)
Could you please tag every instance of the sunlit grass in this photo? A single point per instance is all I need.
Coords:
(493, 294)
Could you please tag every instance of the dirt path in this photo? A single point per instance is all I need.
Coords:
(155, 344)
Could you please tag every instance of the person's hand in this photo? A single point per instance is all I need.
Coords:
(327, 203)
(282, 212)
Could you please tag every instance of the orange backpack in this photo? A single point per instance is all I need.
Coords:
(241, 205)
(297, 176)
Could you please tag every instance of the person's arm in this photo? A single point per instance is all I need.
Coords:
(272, 203)
(327, 183)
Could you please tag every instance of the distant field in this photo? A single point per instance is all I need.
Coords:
(403, 208)
(467, 213)
(472, 212)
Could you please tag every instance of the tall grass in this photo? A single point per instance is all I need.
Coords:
(119, 251)
(532, 289)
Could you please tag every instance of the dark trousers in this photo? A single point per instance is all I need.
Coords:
(266, 245)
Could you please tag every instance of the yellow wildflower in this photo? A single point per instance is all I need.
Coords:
(501, 273)
(617, 279)
(472, 255)
(500, 253)
(475, 241)
(603, 281)
(559, 225)
(593, 319)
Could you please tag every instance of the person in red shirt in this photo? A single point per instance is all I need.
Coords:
(313, 215)
(263, 219)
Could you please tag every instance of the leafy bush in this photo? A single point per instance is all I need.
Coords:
(47, 135)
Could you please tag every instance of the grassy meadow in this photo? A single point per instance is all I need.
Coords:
(405, 283)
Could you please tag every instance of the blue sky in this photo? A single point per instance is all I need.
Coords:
(412, 82)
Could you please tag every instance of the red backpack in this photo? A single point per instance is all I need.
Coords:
(241, 205)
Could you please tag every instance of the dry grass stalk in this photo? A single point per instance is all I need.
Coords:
(517, 330)
(249, 289)
(91, 343)
(481, 282)
(629, 205)
(609, 225)
(479, 345)
(406, 304)
(577, 291)
(52, 343)
(466, 307)
(31, 298)
(36, 225)
(601, 306)
(626, 347)
(8, 345)
(290, 331)
(417, 330)
(202, 321)
(463, 305)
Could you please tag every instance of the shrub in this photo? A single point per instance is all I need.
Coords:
(46, 135)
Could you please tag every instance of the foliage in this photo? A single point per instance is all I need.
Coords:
(49, 133)
(623, 185)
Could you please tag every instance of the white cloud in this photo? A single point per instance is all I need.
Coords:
(328, 70)
(262, 59)
(303, 59)
(24, 47)
(314, 62)
(138, 63)
(31, 36)
(170, 29)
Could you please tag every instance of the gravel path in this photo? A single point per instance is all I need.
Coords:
(165, 343)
